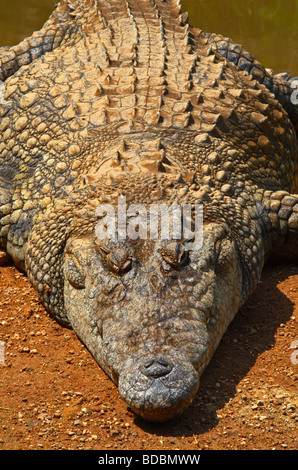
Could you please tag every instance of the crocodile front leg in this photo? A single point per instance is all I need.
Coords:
(279, 214)
(283, 214)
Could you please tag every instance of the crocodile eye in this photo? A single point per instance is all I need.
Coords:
(117, 258)
(174, 254)
(74, 273)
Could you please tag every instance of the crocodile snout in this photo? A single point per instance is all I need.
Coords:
(158, 387)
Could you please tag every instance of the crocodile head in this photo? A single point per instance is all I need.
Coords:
(152, 312)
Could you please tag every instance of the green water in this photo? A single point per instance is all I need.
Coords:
(267, 28)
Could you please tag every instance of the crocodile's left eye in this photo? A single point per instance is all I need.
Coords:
(117, 258)
(74, 272)
(175, 254)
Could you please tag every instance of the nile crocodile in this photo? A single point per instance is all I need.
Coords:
(124, 98)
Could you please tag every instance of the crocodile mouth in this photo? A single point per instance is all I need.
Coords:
(158, 387)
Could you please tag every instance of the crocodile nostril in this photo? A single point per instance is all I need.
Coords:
(162, 362)
(149, 363)
(156, 368)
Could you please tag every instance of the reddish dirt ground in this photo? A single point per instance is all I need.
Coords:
(54, 396)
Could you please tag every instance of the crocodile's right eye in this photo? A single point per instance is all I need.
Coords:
(116, 256)
(74, 272)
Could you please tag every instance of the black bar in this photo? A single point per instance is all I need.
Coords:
(136, 459)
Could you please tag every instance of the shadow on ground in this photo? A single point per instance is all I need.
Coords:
(251, 333)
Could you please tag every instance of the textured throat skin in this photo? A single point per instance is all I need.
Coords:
(124, 97)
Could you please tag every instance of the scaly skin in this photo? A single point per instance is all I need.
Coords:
(123, 97)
